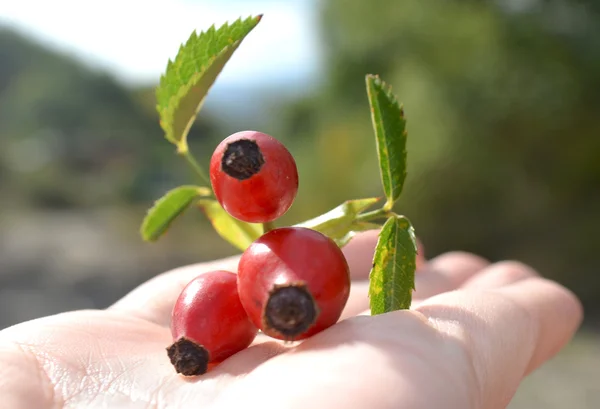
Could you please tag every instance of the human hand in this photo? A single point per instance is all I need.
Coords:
(474, 331)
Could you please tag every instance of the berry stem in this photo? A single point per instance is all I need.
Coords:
(268, 226)
(374, 215)
(197, 168)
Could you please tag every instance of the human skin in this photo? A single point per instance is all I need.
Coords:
(475, 330)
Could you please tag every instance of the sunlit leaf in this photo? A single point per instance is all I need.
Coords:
(340, 222)
(188, 78)
(389, 125)
(238, 233)
(392, 278)
(167, 208)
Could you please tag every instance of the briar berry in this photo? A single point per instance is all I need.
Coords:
(208, 323)
(254, 177)
(293, 282)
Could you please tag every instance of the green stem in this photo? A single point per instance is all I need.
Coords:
(374, 215)
(197, 168)
(268, 226)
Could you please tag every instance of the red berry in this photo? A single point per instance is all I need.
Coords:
(208, 323)
(254, 177)
(293, 282)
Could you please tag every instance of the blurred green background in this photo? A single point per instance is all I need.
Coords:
(503, 106)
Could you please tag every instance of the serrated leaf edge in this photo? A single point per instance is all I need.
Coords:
(396, 220)
(201, 192)
(388, 91)
(166, 113)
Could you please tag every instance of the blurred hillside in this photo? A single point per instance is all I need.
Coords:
(82, 157)
(71, 137)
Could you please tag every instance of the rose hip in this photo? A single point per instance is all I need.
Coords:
(208, 323)
(293, 282)
(254, 177)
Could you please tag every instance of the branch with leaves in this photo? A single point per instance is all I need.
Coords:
(180, 95)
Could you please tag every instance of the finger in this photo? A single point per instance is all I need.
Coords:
(499, 275)
(421, 260)
(361, 266)
(359, 253)
(507, 331)
(154, 299)
(556, 309)
(358, 300)
(446, 272)
(443, 273)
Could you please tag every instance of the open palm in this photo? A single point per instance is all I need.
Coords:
(475, 330)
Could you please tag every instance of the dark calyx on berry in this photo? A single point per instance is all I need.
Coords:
(242, 159)
(188, 358)
(290, 310)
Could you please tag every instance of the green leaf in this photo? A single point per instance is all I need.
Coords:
(240, 234)
(389, 125)
(188, 78)
(167, 208)
(340, 222)
(392, 278)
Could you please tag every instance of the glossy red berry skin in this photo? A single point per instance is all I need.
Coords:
(208, 323)
(293, 282)
(254, 177)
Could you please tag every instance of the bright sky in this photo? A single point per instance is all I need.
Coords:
(134, 38)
